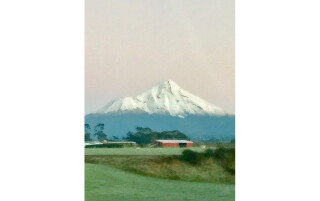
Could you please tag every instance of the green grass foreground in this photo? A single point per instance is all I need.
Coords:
(139, 151)
(104, 183)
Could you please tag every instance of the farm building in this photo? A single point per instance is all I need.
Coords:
(174, 143)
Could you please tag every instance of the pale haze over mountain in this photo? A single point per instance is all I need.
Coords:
(130, 45)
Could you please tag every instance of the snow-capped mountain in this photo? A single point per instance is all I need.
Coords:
(164, 98)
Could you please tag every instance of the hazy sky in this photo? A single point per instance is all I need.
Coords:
(131, 45)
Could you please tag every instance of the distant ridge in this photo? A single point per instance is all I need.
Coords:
(165, 98)
(204, 127)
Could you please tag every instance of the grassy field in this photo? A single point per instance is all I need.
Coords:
(145, 174)
(167, 167)
(104, 183)
(138, 151)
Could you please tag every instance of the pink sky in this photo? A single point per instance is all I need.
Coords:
(131, 45)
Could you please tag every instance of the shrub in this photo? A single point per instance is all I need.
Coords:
(220, 153)
(226, 158)
(209, 153)
(223, 153)
(191, 157)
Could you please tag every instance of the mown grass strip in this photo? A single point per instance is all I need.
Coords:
(105, 183)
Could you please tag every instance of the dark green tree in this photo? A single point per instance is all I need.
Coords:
(87, 133)
(148, 136)
(99, 132)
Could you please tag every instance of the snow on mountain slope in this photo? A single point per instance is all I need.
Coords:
(165, 98)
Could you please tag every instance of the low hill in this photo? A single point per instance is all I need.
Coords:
(194, 126)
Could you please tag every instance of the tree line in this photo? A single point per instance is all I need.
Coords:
(145, 136)
(141, 135)
(98, 132)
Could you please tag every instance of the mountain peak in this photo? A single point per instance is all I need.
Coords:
(166, 97)
(168, 84)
